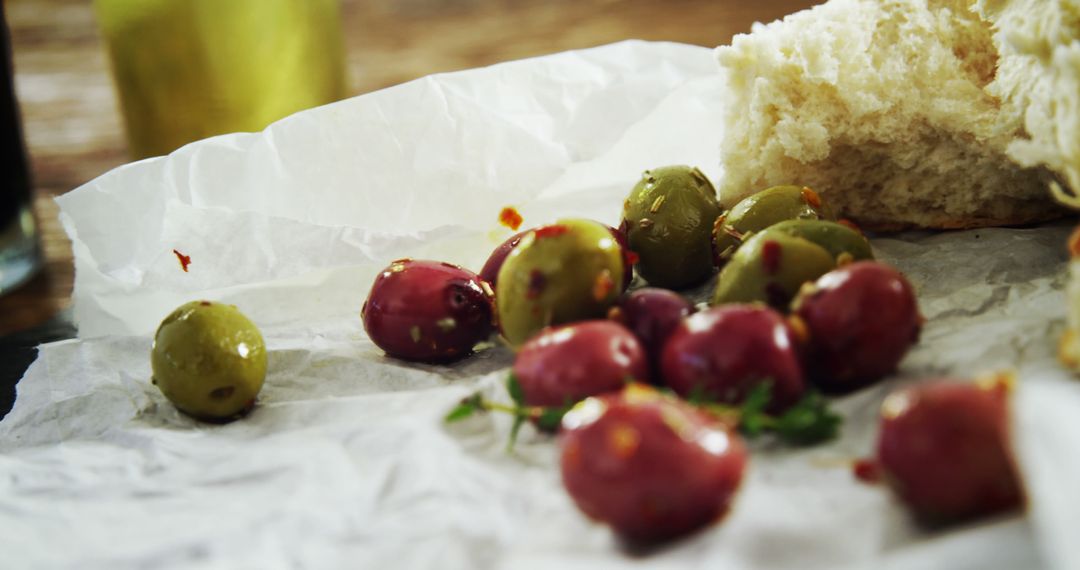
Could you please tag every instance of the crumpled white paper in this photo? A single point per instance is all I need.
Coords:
(345, 461)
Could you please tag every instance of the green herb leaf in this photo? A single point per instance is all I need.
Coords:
(465, 408)
(514, 388)
(808, 421)
(752, 417)
(519, 420)
(551, 418)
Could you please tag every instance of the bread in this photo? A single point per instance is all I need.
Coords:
(907, 113)
(1038, 76)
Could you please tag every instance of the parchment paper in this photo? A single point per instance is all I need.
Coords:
(345, 461)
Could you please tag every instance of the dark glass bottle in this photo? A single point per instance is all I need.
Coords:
(19, 253)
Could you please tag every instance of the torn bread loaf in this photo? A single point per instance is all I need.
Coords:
(901, 113)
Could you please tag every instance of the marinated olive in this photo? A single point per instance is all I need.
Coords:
(562, 365)
(841, 241)
(668, 219)
(944, 450)
(770, 267)
(761, 210)
(568, 271)
(650, 466)
(428, 311)
(490, 271)
(862, 319)
(209, 360)
(652, 315)
(722, 353)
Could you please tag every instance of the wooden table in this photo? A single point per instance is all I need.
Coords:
(73, 127)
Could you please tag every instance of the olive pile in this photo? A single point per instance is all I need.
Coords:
(799, 305)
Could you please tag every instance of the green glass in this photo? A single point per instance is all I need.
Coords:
(190, 69)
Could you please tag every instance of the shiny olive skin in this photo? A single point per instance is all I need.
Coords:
(568, 271)
(668, 219)
(652, 315)
(209, 360)
(841, 241)
(862, 319)
(428, 311)
(761, 210)
(770, 268)
(943, 448)
(649, 465)
(490, 271)
(563, 365)
(720, 354)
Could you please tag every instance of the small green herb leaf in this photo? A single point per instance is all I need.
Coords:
(465, 408)
(808, 421)
(752, 417)
(515, 428)
(551, 418)
(514, 388)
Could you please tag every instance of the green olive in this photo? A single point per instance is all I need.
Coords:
(569, 271)
(771, 267)
(761, 210)
(209, 360)
(668, 219)
(839, 240)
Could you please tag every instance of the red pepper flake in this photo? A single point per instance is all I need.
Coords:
(867, 471)
(812, 198)
(537, 282)
(551, 231)
(510, 218)
(603, 285)
(632, 257)
(771, 252)
(185, 260)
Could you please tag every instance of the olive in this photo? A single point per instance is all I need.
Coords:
(861, 319)
(761, 210)
(841, 241)
(490, 271)
(770, 268)
(562, 365)
(209, 360)
(649, 465)
(652, 315)
(568, 271)
(428, 311)
(721, 354)
(668, 218)
(943, 447)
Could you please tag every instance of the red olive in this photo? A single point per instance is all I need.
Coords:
(652, 315)
(490, 271)
(944, 449)
(565, 364)
(649, 465)
(427, 311)
(722, 353)
(862, 319)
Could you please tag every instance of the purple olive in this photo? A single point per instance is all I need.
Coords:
(428, 311)
(490, 271)
(652, 315)
(944, 449)
(862, 319)
(563, 365)
(649, 465)
(722, 353)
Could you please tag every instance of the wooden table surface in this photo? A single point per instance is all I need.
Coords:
(72, 123)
